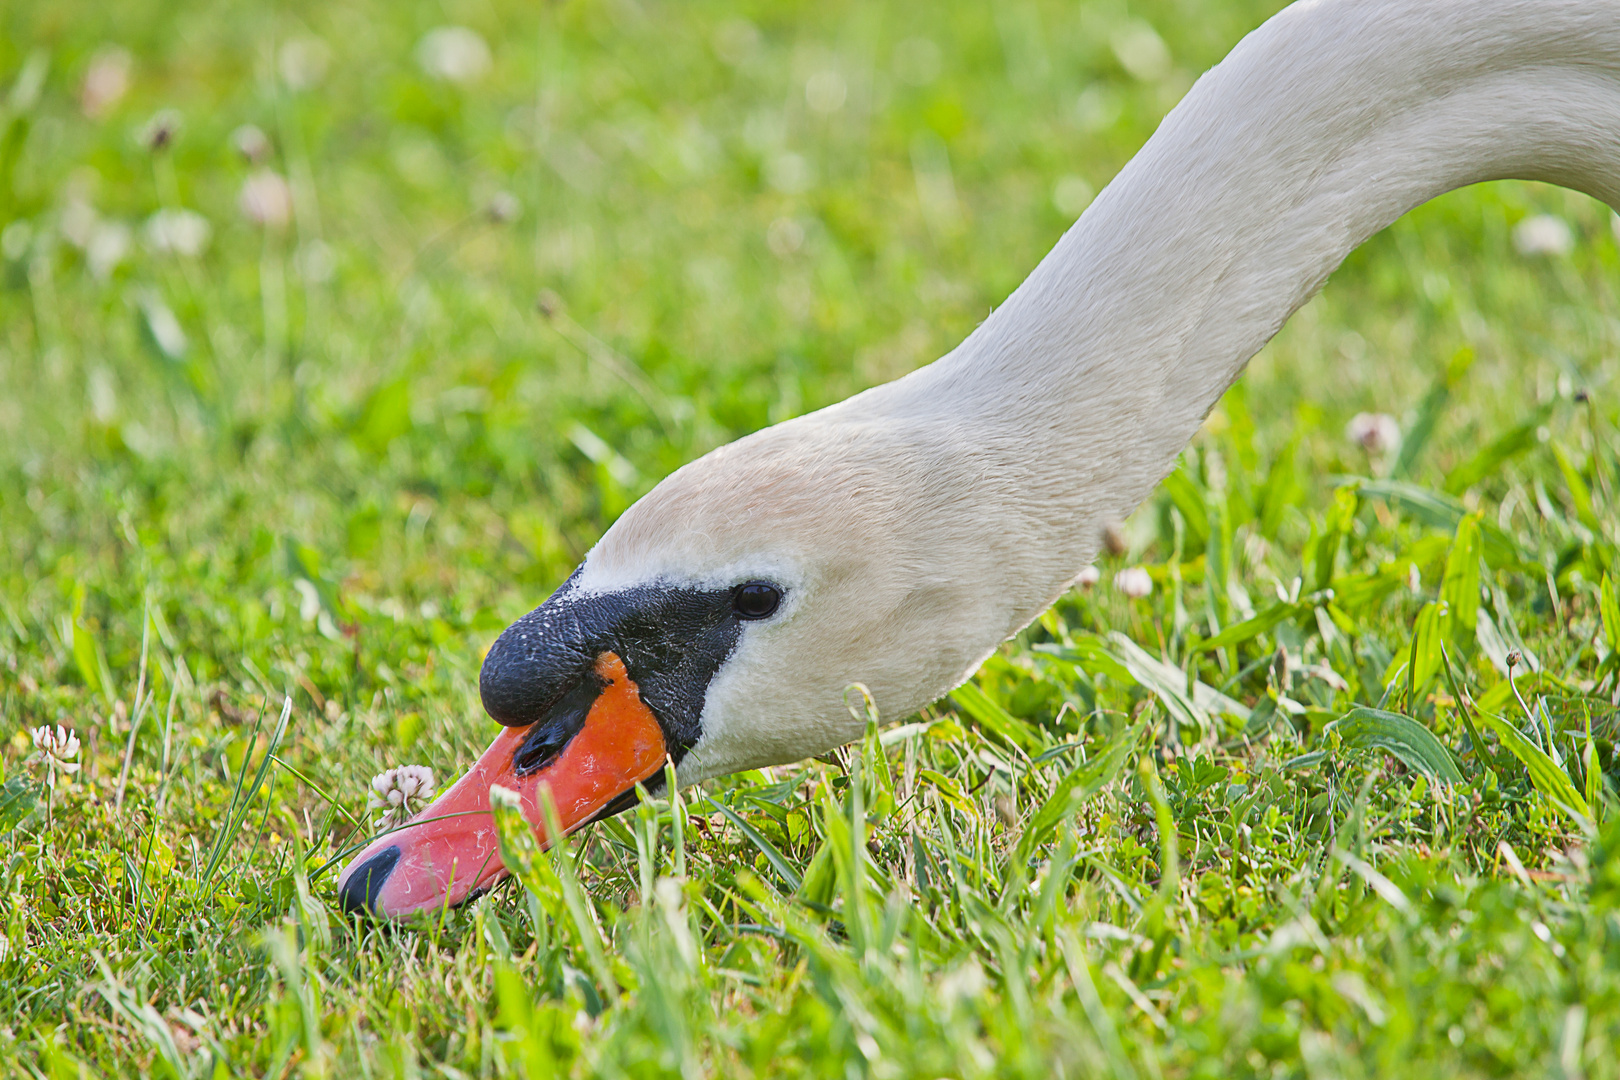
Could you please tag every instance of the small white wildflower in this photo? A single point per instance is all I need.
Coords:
(252, 143)
(58, 747)
(784, 237)
(1114, 539)
(453, 53)
(400, 793)
(303, 62)
(167, 333)
(1141, 51)
(1543, 234)
(1414, 579)
(736, 41)
(1377, 433)
(161, 131)
(1088, 577)
(790, 173)
(1071, 195)
(825, 92)
(503, 208)
(77, 221)
(179, 232)
(965, 983)
(1134, 582)
(315, 261)
(109, 244)
(106, 81)
(266, 199)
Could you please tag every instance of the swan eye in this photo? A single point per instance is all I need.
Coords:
(755, 600)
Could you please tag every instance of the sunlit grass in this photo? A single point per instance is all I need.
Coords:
(263, 505)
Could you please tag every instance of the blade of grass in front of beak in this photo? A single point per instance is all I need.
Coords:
(520, 853)
(561, 857)
(647, 819)
(677, 817)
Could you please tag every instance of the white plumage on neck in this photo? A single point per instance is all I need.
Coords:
(918, 524)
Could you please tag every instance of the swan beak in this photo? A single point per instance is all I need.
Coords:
(448, 854)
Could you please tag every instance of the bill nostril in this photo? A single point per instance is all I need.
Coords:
(359, 893)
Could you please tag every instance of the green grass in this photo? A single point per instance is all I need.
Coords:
(370, 450)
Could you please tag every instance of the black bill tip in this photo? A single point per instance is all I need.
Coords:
(359, 893)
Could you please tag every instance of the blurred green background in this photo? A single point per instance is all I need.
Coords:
(735, 215)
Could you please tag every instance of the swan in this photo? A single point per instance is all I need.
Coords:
(894, 539)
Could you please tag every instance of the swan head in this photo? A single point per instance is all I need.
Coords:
(718, 623)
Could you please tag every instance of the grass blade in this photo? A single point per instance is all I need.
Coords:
(1443, 512)
(240, 800)
(1169, 683)
(1076, 788)
(778, 861)
(1430, 410)
(1609, 607)
(998, 721)
(1401, 736)
(1554, 783)
(1493, 454)
(1459, 589)
(1248, 629)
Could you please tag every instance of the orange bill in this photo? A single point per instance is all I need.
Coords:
(448, 852)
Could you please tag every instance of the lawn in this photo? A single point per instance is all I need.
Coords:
(332, 336)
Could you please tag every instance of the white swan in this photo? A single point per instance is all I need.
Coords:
(895, 538)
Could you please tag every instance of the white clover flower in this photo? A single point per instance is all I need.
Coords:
(453, 53)
(315, 261)
(1377, 433)
(790, 173)
(1543, 234)
(825, 92)
(784, 237)
(252, 143)
(1088, 577)
(108, 247)
(1114, 538)
(77, 221)
(266, 199)
(303, 62)
(400, 793)
(161, 131)
(503, 208)
(180, 232)
(1134, 582)
(58, 747)
(1071, 195)
(105, 81)
(1141, 51)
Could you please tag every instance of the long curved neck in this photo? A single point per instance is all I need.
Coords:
(1319, 129)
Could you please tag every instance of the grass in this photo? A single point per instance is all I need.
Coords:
(262, 508)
